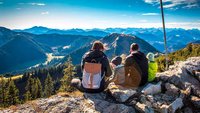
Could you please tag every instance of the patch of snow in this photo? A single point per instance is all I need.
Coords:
(159, 42)
(50, 57)
(66, 47)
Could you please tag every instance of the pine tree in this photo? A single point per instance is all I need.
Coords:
(64, 85)
(13, 93)
(28, 89)
(34, 88)
(3, 92)
(48, 86)
(27, 96)
(39, 86)
(68, 75)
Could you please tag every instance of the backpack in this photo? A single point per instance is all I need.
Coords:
(92, 75)
(133, 75)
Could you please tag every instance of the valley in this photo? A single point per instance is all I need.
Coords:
(37, 47)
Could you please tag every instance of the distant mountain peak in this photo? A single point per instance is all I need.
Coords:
(38, 27)
(121, 34)
(4, 29)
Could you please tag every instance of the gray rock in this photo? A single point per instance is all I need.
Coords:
(178, 73)
(197, 75)
(164, 109)
(176, 80)
(118, 108)
(195, 101)
(185, 93)
(195, 90)
(121, 95)
(94, 103)
(150, 98)
(177, 104)
(171, 89)
(142, 108)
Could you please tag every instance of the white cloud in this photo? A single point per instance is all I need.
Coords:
(191, 6)
(33, 3)
(150, 14)
(45, 13)
(1, 3)
(38, 4)
(171, 4)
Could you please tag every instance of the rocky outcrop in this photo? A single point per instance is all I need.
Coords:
(179, 93)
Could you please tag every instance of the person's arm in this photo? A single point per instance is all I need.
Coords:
(82, 63)
(108, 71)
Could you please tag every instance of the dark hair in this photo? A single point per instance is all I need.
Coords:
(117, 60)
(97, 45)
(134, 47)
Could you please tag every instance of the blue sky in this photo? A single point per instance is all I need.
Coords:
(86, 14)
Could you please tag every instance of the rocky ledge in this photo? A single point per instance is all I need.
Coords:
(177, 90)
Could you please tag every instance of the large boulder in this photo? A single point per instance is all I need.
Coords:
(89, 103)
(179, 90)
(180, 74)
(119, 93)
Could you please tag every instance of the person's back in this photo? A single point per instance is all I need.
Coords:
(101, 58)
(118, 76)
(95, 66)
(153, 67)
(141, 63)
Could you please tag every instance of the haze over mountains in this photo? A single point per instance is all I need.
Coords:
(40, 46)
(176, 38)
(22, 50)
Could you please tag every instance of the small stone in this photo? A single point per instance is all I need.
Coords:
(152, 89)
(155, 105)
(142, 108)
(195, 101)
(164, 109)
(171, 89)
(196, 91)
(150, 98)
(177, 104)
(185, 93)
(168, 98)
(143, 99)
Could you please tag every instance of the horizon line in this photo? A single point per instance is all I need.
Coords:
(101, 28)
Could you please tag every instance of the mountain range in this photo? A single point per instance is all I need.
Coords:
(117, 44)
(45, 30)
(20, 53)
(21, 50)
(177, 38)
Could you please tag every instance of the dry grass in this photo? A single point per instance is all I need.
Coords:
(13, 78)
(74, 94)
(14, 108)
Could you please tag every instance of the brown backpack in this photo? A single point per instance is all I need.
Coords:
(132, 75)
